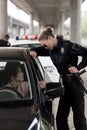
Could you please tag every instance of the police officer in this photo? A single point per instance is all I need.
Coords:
(4, 42)
(64, 55)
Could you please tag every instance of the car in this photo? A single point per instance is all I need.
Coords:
(25, 43)
(46, 61)
(18, 111)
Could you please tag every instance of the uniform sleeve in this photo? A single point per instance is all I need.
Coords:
(80, 51)
(41, 51)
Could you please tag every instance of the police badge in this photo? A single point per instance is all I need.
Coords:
(62, 50)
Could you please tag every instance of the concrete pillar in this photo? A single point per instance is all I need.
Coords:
(31, 26)
(75, 27)
(25, 28)
(41, 27)
(59, 27)
(17, 30)
(38, 28)
(11, 26)
(61, 22)
(3, 18)
(56, 29)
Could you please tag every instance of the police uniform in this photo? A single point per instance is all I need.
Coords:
(4, 43)
(66, 54)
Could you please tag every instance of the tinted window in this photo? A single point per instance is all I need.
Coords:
(14, 81)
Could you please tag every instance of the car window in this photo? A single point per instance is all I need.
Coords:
(37, 70)
(14, 81)
(40, 68)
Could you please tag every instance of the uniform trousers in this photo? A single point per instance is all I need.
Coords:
(73, 97)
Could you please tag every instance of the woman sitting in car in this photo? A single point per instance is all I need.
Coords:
(15, 78)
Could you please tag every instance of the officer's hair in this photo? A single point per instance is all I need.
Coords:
(6, 36)
(46, 33)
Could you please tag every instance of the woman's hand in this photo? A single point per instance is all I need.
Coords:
(42, 84)
(73, 69)
(33, 54)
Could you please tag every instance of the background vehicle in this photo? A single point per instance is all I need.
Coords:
(25, 43)
(29, 113)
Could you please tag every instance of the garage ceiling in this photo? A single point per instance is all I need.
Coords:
(45, 11)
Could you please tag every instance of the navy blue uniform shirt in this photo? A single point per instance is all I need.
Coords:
(65, 54)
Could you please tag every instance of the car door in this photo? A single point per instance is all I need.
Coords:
(47, 118)
(18, 113)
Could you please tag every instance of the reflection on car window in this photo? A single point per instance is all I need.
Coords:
(13, 78)
(40, 68)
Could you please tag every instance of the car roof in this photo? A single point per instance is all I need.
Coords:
(21, 42)
(15, 53)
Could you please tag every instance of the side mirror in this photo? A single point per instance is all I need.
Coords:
(54, 90)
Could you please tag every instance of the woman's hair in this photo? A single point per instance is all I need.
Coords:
(46, 33)
(11, 69)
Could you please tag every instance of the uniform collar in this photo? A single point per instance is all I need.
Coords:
(59, 43)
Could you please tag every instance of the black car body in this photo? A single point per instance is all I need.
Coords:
(32, 112)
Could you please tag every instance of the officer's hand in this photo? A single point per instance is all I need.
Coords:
(73, 69)
(33, 54)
